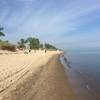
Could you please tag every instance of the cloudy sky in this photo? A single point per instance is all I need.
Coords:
(65, 23)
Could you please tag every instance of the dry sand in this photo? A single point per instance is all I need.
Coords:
(33, 76)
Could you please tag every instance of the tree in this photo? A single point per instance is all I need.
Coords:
(34, 43)
(1, 33)
(49, 46)
(21, 43)
(30, 42)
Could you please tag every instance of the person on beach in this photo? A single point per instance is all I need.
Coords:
(29, 50)
(45, 50)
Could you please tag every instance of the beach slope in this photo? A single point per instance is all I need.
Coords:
(47, 82)
(53, 84)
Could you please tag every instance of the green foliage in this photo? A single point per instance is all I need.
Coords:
(8, 47)
(50, 47)
(21, 43)
(34, 43)
(1, 33)
(5, 45)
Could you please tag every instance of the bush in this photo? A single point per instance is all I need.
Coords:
(8, 47)
(50, 47)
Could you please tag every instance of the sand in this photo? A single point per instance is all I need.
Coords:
(33, 76)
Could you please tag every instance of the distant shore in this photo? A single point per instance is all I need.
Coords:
(47, 82)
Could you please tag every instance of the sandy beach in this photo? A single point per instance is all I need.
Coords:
(34, 76)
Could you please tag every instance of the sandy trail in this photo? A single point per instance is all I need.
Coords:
(43, 79)
(14, 67)
(53, 83)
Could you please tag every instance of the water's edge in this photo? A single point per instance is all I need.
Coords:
(79, 83)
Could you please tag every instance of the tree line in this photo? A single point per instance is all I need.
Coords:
(34, 43)
(29, 43)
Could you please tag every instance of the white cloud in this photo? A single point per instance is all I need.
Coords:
(47, 21)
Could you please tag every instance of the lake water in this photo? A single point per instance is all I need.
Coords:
(84, 73)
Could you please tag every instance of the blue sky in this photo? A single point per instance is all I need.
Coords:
(64, 23)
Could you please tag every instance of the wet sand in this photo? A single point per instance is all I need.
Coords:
(47, 82)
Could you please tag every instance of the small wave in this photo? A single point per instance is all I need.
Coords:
(65, 61)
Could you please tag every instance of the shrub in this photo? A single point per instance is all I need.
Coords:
(4, 45)
(8, 47)
(50, 47)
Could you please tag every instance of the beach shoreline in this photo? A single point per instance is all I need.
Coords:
(49, 82)
(82, 86)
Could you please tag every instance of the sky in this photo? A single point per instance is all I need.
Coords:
(68, 24)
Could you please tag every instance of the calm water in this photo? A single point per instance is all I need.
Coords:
(85, 69)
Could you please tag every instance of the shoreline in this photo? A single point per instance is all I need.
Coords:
(48, 83)
(79, 82)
